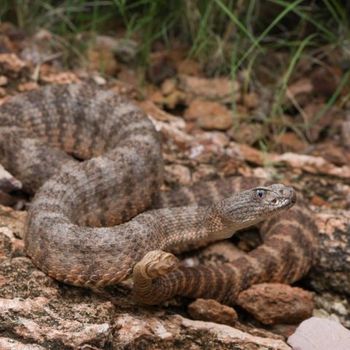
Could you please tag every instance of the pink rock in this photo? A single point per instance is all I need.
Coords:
(320, 334)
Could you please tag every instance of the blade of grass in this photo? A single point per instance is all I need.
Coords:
(200, 41)
(237, 22)
(338, 13)
(276, 20)
(345, 79)
(285, 79)
(319, 25)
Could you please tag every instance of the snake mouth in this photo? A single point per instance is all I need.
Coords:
(290, 197)
(291, 200)
(284, 199)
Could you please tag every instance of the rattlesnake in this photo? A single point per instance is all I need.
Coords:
(83, 228)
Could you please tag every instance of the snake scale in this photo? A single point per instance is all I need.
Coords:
(93, 160)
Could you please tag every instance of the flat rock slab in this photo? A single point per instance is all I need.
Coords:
(177, 332)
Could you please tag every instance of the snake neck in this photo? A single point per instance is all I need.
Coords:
(192, 228)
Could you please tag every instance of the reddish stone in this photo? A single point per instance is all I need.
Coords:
(272, 303)
(213, 311)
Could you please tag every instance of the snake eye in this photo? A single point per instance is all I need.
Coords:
(260, 193)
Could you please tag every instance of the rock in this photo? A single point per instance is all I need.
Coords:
(156, 113)
(10, 245)
(7, 199)
(101, 59)
(3, 80)
(325, 81)
(27, 86)
(345, 132)
(318, 201)
(189, 67)
(124, 49)
(309, 164)
(320, 334)
(213, 311)
(174, 99)
(129, 76)
(99, 80)
(67, 324)
(59, 78)
(331, 152)
(12, 221)
(224, 337)
(161, 68)
(11, 344)
(317, 118)
(296, 162)
(206, 153)
(299, 92)
(168, 86)
(176, 332)
(195, 109)
(261, 332)
(177, 174)
(156, 97)
(204, 172)
(251, 100)
(283, 329)
(217, 120)
(290, 142)
(218, 89)
(246, 133)
(214, 137)
(334, 306)
(42, 47)
(8, 182)
(6, 45)
(3, 94)
(125, 89)
(272, 303)
(11, 65)
(332, 271)
(250, 154)
(209, 115)
(167, 129)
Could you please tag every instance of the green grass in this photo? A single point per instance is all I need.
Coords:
(209, 26)
(226, 36)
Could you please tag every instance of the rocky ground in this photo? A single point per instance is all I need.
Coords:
(203, 139)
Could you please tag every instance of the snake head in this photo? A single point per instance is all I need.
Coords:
(274, 197)
(250, 207)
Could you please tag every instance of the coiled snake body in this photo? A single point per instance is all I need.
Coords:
(79, 229)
